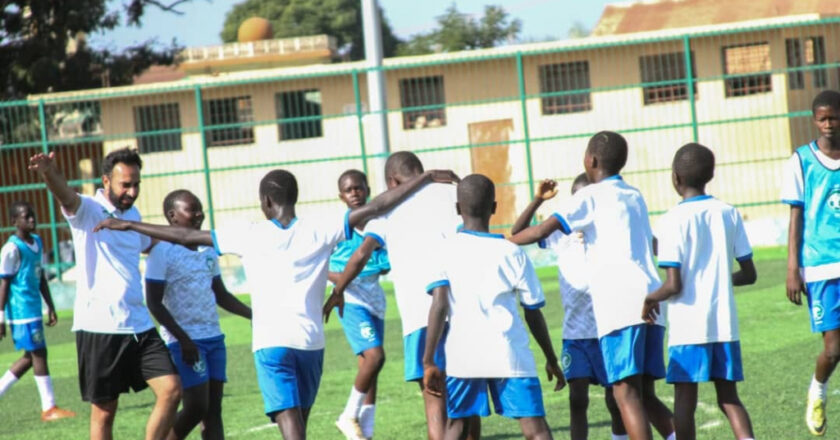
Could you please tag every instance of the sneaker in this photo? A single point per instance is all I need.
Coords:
(815, 415)
(56, 413)
(350, 428)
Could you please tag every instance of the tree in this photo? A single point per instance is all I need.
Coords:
(578, 30)
(42, 45)
(458, 31)
(294, 18)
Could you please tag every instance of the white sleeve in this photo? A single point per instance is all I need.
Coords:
(156, 262)
(670, 239)
(378, 229)
(88, 214)
(743, 250)
(338, 229)
(234, 239)
(552, 240)
(576, 213)
(528, 285)
(9, 260)
(792, 184)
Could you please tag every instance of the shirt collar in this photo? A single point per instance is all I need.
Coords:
(480, 234)
(280, 225)
(696, 198)
(613, 177)
(107, 207)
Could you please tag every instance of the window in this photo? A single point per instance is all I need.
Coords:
(565, 77)
(427, 93)
(793, 53)
(232, 114)
(813, 55)
(742, 60)
(154, 118)
(303, 107)
(667, 68)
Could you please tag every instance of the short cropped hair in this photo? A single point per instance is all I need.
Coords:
(581, 180)
(476, 194)
(172, 197)
(694, 164)
(403, 163)
(610, 148)
(16, 206)
(356, 174)
(125, 155)
(280, 186)
(826, 98)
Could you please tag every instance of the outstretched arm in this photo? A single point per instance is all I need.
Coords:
(354, 267)
(546, 190)
(536, 323)
(746, 275)
(44, 165)
(433, 378)
(173, 234)
(227, 301)
(794, 285)
(538, 232)
(672, 286)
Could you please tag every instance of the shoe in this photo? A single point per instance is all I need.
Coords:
(350, 428)
(815, 416)
(56, 413)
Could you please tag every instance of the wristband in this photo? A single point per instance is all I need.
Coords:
(2, 317)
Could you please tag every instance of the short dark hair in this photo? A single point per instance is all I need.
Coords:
(581, 180)
(610, 148)
(355, 174)
(694, 164)
(16, 206)
(403, 163)
(476, 194)
(125, 155)
(826, 98)
(172, 197)
(280, 186)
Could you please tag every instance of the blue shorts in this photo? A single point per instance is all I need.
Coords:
(363, 330)
(633, 350)
(29, 336)
(514, 397)
(582, 358)
(212, 362)
(288, 377)
(413, 347)
(704, 362)
(824, 304)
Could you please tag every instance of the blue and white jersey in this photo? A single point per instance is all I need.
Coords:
(578, 317)
(488, 277)
(812, 182)
(364, 290)
(20, 263)
(702, 236)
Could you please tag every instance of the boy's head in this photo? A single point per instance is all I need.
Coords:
(826, 112)
(278, 187)
(580, 181)
(182, 208)
(693, 167)
(22, 216)
(400, 167)
(353, 188)
(121, 177)
(476, 197)
(605, 155)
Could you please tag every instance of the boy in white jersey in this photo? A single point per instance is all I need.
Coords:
(285, 260)
(698, 240)
(480, 278)
(614, 220)
(364, 315)
(581, 359)
(183, 288)
(407, 233)
(811, 186)
(22, 284)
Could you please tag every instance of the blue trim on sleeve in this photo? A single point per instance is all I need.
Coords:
(564, 225)
(743, 258)
(536, 306)
(542, 244)
(348, 231)
(696, 198)
(434, 285)
(797, 203)
(215, 242)
(154, 281)
(376, 237)
(280, 225)
(666, 264)
(613, 177)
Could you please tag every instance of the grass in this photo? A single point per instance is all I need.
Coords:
(778, 352)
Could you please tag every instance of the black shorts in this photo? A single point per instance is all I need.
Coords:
(110, 364)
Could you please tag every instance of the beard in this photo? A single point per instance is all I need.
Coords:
(122, 203)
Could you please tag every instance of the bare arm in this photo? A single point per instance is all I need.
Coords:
(45, 293)
(672, 286)
(44, 165)
(794, 285)
(746, 275)
(4, 297)
(354, 267)
(154, 300)
(173, 234)
(546, 190)
(227, 301)
(333, 277)
(432, 376)
(536, 323)
(536, 233)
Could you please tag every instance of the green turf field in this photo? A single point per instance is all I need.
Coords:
(778, 351)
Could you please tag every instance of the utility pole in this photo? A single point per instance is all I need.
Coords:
(377, 119)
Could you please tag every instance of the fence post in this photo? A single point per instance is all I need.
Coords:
(689, 78)
(526, 132)
(203, 136)
(45, 148)
(357, 94)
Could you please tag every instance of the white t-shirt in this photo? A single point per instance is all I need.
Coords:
(614, 220)
(109, 290)
(287, 271)
(411, 232)
(488, 277)
(702, 236)
(10, 257)
(368, 293)
(578, 318)
(188, 292)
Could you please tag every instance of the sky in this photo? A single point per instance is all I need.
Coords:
(202, 20)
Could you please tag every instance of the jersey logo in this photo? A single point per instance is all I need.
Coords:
(199, 366)
(565, 361)
(37, 337)
(366, 331)
(833, 200)
(210, 263)
(818, 312)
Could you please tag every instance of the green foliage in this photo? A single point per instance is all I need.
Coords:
(295, 18)
(457, 31)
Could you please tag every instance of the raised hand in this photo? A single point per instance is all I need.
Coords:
(336, 299)
(546, 190)
(41, 162)
(443, 176)
(553, 370)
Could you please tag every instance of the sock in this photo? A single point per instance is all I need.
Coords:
(366, 417)
(45, 389)
(354, 404)
(673, 436)
(7, 381)
(620, 437)
(818, 389)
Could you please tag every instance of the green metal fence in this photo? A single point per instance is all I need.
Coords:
(517, 114)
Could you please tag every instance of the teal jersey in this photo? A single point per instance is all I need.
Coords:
(24, 302)
(377, 264)
(821, 210)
